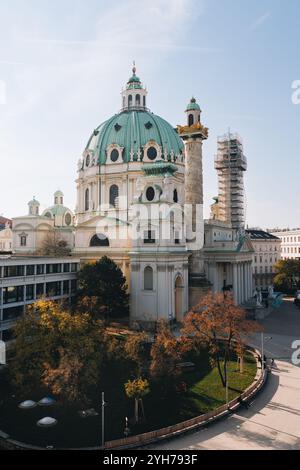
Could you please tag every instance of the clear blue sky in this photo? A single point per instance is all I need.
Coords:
(64, 63)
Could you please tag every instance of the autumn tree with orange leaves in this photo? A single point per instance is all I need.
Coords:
(166, 353)
(220, 325)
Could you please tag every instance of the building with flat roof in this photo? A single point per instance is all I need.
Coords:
(23, 280)
(266, 254)
(290, 242)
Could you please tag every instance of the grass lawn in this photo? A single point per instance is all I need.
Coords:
(204, 393)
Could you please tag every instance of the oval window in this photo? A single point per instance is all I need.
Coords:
(87, 160)
(152, 153)
(150, 194)
(68, 219)
(114, 155)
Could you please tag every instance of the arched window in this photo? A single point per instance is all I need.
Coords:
(99, 240)
(148, 278)
(87, 199)
(150, 194)
(144, 101)
(114, 155)
(175, 196)
(191, 119)
(137, 100)
(113, 195)
(130, 100)
(68, 218)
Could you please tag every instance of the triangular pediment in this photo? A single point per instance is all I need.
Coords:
(103, 220)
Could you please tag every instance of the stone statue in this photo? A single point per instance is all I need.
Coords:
(140, 184)
(259, 299)
(167, 194)
(79, 164)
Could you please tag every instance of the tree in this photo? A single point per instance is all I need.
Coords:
(54, 245)
(104, 282)
(287, 274)
(136, 351)
(65, 352)
(219, 324)
(166, 353)
(137, 389)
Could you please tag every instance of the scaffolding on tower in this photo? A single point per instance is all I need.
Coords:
(230, 163)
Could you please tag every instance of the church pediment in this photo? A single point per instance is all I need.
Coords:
(108, 221)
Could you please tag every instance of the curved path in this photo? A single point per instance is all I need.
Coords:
(273, 420)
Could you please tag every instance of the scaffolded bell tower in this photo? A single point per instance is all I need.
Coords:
(230, 163)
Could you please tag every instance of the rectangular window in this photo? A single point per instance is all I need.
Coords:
(30, 292)
(74, 267)
(12, 313)
(30, 270)
(53, 289)
(66, 267)
(149, 237)
(13, 271)
(13, 294)
(40, 269)
(39, 290)
(66, 287)
(73, 286)
(53, 268)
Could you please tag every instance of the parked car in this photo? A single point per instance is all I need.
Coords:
(297, 298)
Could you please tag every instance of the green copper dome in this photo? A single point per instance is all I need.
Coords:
(132, 130)
(193, 105)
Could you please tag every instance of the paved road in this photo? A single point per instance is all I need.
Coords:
(273, 420)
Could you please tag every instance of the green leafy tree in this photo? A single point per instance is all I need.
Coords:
(104, 284)
(62, 351)
(287, 274)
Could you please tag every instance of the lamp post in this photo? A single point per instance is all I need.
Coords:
(103, 420)
(126, 430)
(262, 353)
(263, 350)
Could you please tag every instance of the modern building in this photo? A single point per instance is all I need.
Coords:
(24, 280)
(267, 251)
(290, 242)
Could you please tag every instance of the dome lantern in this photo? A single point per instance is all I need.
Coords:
(58, 198)
(34, 207)
(134, 96)
(193, 112)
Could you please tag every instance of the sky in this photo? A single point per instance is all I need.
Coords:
(63, 64)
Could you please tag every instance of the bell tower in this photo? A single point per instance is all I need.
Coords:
(193, 135)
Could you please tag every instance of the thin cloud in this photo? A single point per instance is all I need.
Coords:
(101, 44)
(261, 20)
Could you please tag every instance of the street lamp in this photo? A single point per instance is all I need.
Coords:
(262, 349)
(103, 404)
(126, 430)
(226, 372)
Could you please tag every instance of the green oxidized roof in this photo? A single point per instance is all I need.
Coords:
(160, 168)
(132, 130)
(193, 105)
(58, 209)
